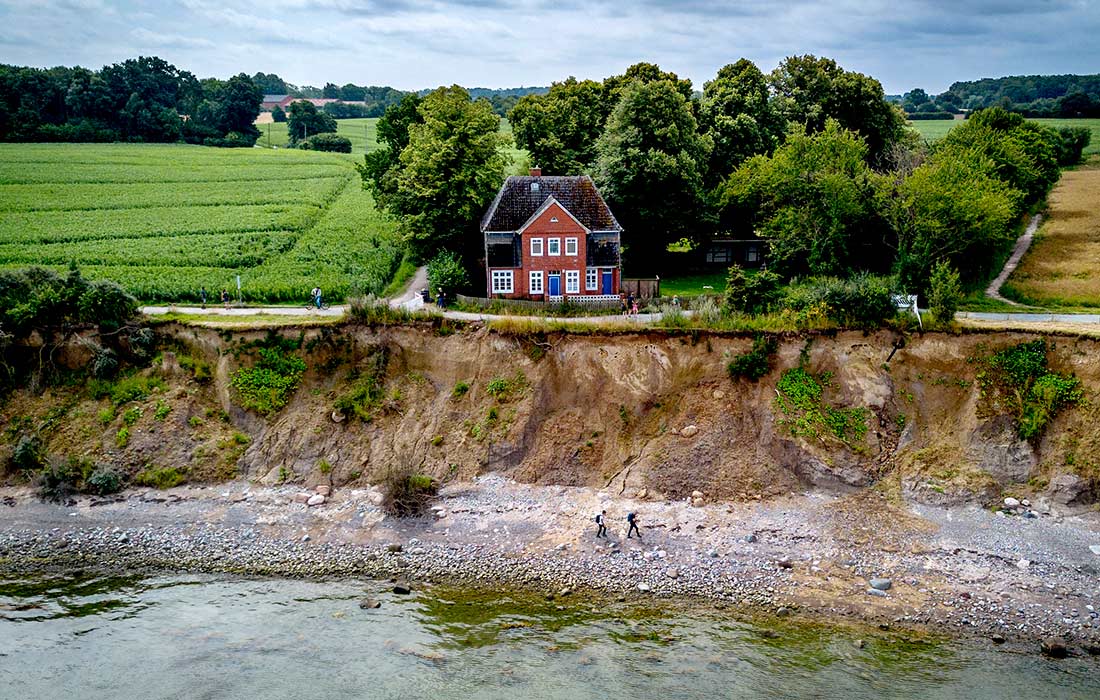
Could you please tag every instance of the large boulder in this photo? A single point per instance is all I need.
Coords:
(1069, 489)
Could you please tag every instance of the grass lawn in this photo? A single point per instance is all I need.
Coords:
(1062, 268)
(693, 285)
(936, 129)
(163, 220)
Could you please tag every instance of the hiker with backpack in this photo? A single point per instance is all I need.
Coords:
(632, 521)
(601, 522)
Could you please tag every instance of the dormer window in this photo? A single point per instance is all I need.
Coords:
(534, 187)
(553, 219)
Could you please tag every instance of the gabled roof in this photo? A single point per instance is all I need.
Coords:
(274, 98)
(550, 201)
(516, 203)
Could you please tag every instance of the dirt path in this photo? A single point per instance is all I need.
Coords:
(410, 298)
(993, 291)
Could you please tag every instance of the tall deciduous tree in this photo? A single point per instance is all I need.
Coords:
(810, 90)
(448, 172)
(560, 129)
(381, 166)
(304, 120)
(952, 208)
(813, 200)
(650, 168)
(738, 115)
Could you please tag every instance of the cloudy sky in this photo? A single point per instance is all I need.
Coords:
(412, 44)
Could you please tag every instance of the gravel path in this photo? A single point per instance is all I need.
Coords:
(805, 554)
(993, 291)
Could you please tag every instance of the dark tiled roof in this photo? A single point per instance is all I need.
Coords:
(275, 98)
(516, 202)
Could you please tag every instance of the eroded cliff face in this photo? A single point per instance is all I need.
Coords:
(627, 412)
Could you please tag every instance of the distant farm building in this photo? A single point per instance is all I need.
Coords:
(551, 238)
(270, 102)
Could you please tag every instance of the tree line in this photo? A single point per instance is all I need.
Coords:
(810, 157)
(1066, 96)
(141, 99)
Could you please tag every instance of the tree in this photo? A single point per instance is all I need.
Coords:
(560, 129)
(446, 272)
(380, 166)
(750, 293)
(304, 120)
(447, 174)
(270, 84)
(330, 92)
(645, 73)
(811, 90)
(945, 292)
(1024, 154)
(650, 168)
(737, 114)
(239, 105)
(813, 200)
(953, 208)
(278, 115)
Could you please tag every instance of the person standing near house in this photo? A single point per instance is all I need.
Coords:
(634, 308)
(622, 301)
(630, 301)
(632, 525)
(601, 523)
(441, 298)
(202, 296)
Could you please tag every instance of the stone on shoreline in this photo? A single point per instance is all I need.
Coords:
(369, 604)
(402, 589)
(876, 592)
(1054, 648)
(881, 584)
(1011, 502)
(324, 489)
(301, 497)
(315, 500)
(689, 430)
(644, 587)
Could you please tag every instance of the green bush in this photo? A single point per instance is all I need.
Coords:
(268, 385)
(460, 390)
(447, 271)
(160, 477)
(1016, 381)
(27, 455)
(326, 142)
(122, 437)
(162, 410)
(863, 301)
(57, 481)
(407, 492)
(104, 480)
(367, 390)
(751, 293)
(503, 389)
(945, 291)
(125, 390)
(755, 363)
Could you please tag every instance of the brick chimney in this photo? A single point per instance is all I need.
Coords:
(536, 171)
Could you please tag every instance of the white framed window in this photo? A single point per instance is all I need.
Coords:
(553, 246)
(502, 282)
(591, 279)
(570, 246)
(534, 285)
(572, 281)
(536, 247)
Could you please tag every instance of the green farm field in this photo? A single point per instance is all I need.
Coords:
(163, 220)
(363, 134)
(934, 130)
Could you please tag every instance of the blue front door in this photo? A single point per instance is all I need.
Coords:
(555, 285)
(606, 282)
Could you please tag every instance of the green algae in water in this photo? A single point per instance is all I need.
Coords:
(182, 636)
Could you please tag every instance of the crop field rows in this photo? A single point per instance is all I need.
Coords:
(165, 220)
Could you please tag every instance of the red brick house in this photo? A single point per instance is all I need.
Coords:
(551, 238)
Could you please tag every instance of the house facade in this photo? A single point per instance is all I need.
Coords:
(549, 239)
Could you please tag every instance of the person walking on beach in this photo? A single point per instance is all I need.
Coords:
(601, 522)
(202, 296)
(632, 522)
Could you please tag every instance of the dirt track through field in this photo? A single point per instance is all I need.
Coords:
(993, 291)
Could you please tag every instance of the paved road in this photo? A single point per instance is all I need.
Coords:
(993, 291)
(1075, 319)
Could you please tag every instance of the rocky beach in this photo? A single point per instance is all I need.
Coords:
(1011, 575)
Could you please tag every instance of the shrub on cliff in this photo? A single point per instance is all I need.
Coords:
(406, 492)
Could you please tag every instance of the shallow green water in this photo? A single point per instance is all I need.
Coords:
(202, 637)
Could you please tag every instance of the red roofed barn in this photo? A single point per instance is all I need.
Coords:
(551, 238)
